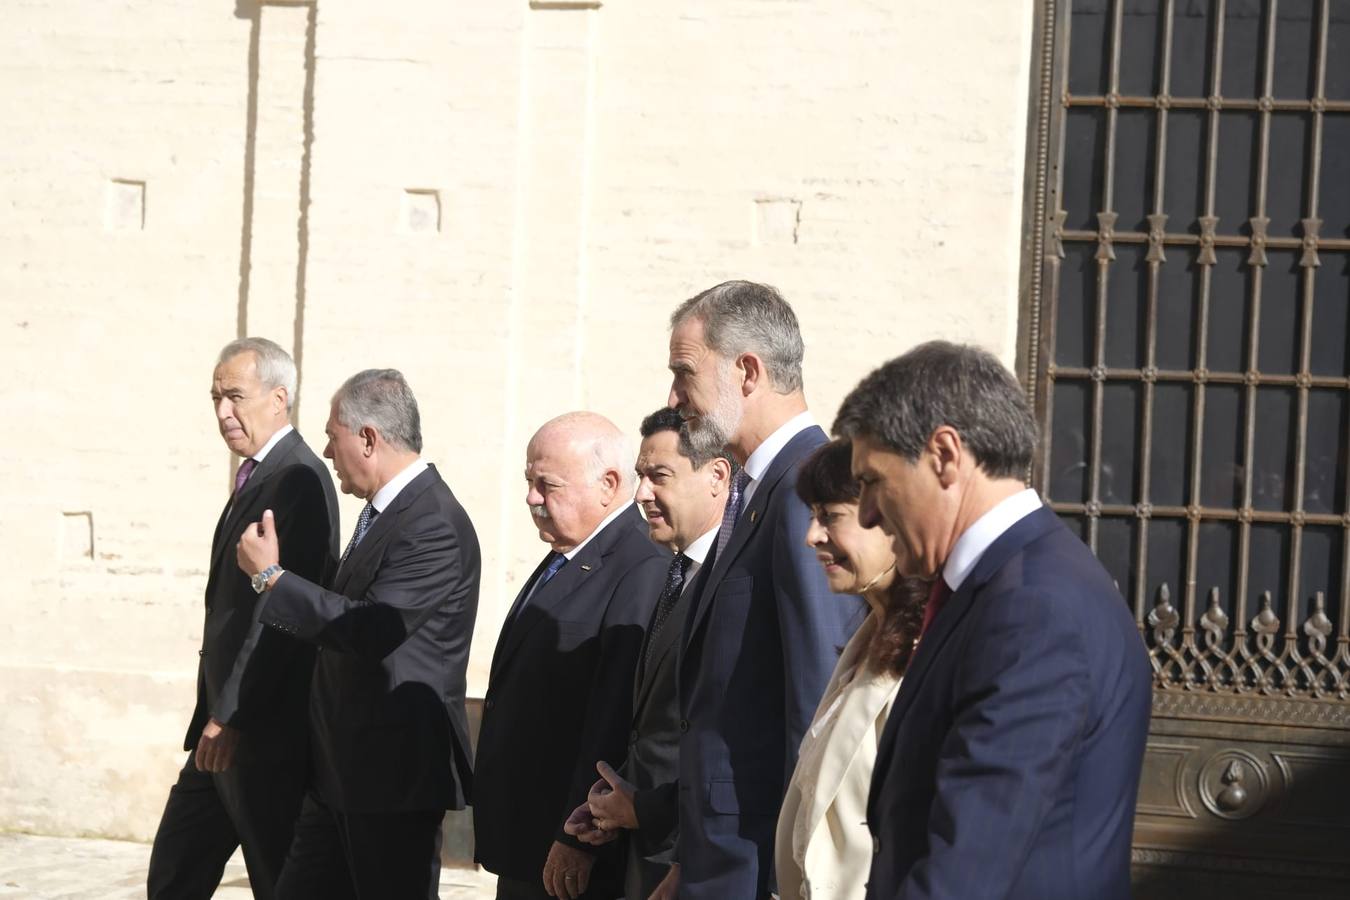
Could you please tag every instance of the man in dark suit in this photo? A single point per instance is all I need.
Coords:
(764, 632)
(391, 739)
(1010, 762)
(560, 690)
(683, 495)
(244, 777)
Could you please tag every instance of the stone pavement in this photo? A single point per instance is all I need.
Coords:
(53, 868)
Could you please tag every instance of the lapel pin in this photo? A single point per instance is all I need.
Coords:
(585, 568)
(754, 514)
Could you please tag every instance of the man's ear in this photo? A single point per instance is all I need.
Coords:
(279, 398)
(610, 482)
(719, 474)
(752, 372)
(946, 453)
(369, 437)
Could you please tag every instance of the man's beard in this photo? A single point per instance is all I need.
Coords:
(710, 433)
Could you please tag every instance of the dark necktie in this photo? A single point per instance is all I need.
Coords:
(368, 514)
(245, 469)
(670, 595)
(554, 565)
(938, 595)
(732, 514)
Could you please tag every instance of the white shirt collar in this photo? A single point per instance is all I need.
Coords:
(272, 442)
(697, 551)
(758, 462)
(971, 545)
(571, 554)
(698, 548)
(385, 495)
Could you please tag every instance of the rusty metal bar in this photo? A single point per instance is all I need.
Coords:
(1206, 263)
(1309, 263)
(1054, 248)
(1227, 104)
(1271, 242)
(1156, 258)
(1070, 373)
(1206, 513)
(1256, 262)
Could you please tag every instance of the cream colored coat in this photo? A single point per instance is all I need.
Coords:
(823, 849)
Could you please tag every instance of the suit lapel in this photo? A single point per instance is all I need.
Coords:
(382, 526)
(752, 515)
(240, 509)
(670, 634)
(570, 579)
(1023, 532)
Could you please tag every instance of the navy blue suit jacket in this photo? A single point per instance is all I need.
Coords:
(761, 642)
(1010, 762)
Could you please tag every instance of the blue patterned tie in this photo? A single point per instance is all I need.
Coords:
(732, 514)
(368, 513)
(669, 595)
(557, 563)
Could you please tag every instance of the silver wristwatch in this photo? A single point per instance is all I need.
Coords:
(260, 580)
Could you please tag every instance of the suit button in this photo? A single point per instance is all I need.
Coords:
(208, 609)
(488, 704)
(876, 846)
(201, 652)
(684, 725)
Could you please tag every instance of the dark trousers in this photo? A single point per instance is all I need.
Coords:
(207, 816)
(362, 856)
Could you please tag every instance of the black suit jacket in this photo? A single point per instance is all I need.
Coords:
(1010, 762)
(387, 704)
(249, 677)
(560, 697)
(654, 754)
(761, 641)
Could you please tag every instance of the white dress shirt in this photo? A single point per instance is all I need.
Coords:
(758, 463)
(697, 551)
(988, 528)
(272, 442)
(385, 495)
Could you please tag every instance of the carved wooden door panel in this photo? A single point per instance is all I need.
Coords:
(1185, 338)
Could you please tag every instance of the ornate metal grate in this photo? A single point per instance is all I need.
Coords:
(1187, 345)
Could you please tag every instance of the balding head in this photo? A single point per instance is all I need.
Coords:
(579, 468)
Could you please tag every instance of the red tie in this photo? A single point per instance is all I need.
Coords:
(937, 596)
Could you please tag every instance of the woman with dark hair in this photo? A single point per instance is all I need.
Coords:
(823, 848)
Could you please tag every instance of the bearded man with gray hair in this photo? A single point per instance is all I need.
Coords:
(391, 738)
(245, 773)
(560, 691)
(764, 631)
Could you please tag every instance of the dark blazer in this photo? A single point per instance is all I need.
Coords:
(387, 705)
(250, 677)
(761, 642)
(654, 755)
(560, 697)
(1010, 762)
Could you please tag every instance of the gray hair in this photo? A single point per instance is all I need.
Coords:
(745, 317)
(902, 403)
(381, 399)
(276, 369)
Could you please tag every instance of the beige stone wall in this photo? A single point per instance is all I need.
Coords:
(503, 199)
